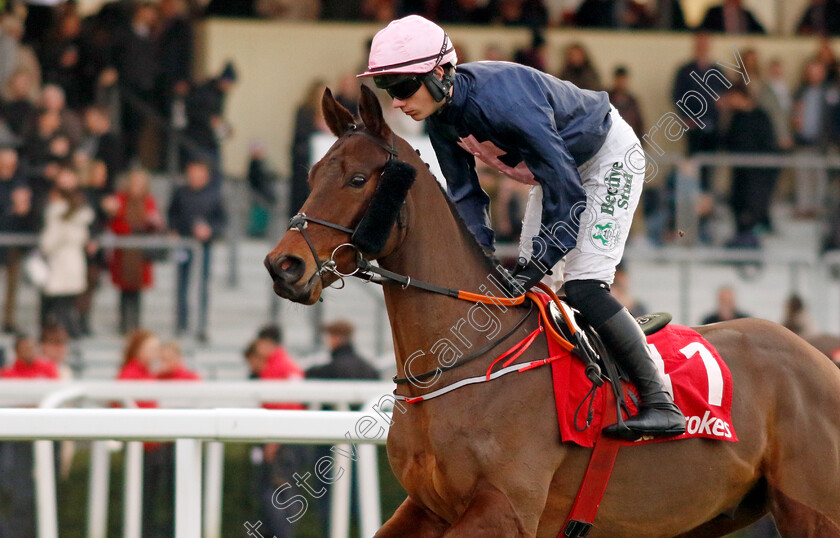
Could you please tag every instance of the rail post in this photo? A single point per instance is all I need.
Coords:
(188, 488)
(133, 490)
(98, 487)
(340, 490)
(213, 476)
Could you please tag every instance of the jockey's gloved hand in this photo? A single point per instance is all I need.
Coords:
(527, 274)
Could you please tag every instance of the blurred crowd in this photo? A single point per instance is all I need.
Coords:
(821, 17)
(86, 105)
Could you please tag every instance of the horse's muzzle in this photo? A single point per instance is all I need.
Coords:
(286, 273)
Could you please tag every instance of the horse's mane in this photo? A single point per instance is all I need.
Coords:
(489, 262)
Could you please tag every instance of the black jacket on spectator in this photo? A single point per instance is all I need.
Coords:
(231, 8)
(751, 131)
(35, 153)
(345, 363)
(683, 82)
(820, 19)
(596, 14)
(454, 12)
(176, 54)
(96, 48)
(189, 206)
(713, 21)
(9, 221)
(101, 218)
(40, 20)
(17, 115)
(136, 60)
(533, 14)
(204, 102)
(111, 150)
(350, 10)
(94, 197)
(301, 156)
(259, 179)
(68, 77)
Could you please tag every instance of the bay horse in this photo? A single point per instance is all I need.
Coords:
(486, 459)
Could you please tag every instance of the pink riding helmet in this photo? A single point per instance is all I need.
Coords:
(409, 45)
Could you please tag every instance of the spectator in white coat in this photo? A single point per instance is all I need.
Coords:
(63, 240)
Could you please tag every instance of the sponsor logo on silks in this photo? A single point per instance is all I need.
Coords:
(707, 425)
(617, 195)
(606, 233)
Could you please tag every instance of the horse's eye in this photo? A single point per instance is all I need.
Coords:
(357, 181)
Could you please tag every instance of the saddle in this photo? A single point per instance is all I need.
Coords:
(589, 348)
(589, 394)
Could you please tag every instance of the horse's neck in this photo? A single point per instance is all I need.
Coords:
(435, 250)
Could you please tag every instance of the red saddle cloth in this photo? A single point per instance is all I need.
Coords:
(692, 371)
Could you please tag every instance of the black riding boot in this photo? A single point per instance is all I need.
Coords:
(658, 416)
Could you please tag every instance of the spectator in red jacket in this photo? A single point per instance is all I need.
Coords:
(27, 365)
(141, 352)
(269, 360)
(134, 211)
(278, 365)
(172, 367)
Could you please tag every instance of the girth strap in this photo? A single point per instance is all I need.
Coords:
(596, 478)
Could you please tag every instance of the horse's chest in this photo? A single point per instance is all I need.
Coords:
(440, 471)
(430, 482)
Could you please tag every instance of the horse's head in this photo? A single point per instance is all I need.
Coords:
(356, 195)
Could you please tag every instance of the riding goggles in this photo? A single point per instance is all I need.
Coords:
(399, 86)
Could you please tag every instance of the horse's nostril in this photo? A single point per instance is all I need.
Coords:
(289, 268)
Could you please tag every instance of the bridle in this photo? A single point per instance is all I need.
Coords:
(301, 221)
(329, 266)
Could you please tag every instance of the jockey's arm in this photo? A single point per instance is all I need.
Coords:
(458, 168)
(546, 155)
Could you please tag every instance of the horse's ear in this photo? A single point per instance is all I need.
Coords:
(371, 113)
(338, 118)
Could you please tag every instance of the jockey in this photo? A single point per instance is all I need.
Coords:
(582, 159)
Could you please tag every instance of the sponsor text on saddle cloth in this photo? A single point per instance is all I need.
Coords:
(694, 373)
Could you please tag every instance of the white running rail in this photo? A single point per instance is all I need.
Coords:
(191, 430)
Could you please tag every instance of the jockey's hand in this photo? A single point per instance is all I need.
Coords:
(527, 274)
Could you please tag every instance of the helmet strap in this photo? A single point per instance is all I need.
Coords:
(439, 89)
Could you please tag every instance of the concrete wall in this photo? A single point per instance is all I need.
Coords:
(277, 62)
